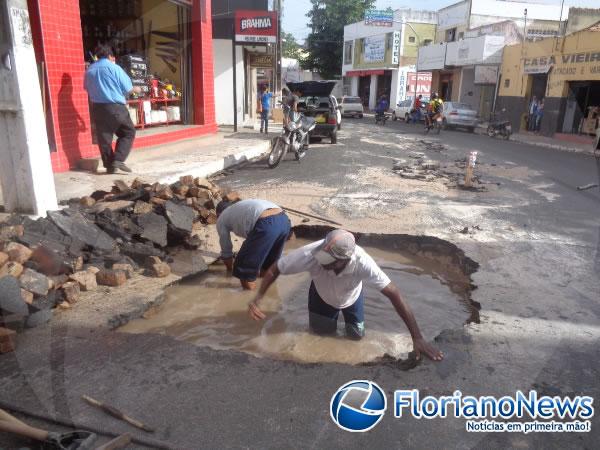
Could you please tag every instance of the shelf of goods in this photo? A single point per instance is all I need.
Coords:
(143, 114)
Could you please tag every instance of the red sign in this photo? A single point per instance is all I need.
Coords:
(256, 27)
(364, 73)
(419, 83)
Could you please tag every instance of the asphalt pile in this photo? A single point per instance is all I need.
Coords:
(103, 239)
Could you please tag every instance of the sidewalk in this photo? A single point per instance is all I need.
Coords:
(199, 157)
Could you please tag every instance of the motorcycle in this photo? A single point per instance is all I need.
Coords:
(499, 127)
(437, 124)
(294, 137)
(381, 118)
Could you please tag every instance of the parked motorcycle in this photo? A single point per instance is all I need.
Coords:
(499, 127)
(381, 118)
(294, 137)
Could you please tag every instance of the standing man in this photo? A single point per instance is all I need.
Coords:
(532, 114)
(265, 227)
(108, 86)
(265, 107)
(539, 115)
(338, 268)
(418, 105)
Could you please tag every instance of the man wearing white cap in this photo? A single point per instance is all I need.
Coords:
(338, 268)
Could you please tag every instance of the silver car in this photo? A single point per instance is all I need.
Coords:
(351, 106)
(459, 115)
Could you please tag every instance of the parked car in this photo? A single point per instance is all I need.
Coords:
(459, 115)
(339, 112)
(351, 106)
(404, 108)
(317, 102)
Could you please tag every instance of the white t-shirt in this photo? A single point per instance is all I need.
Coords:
(339, 291)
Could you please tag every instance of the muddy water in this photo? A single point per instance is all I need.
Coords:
(211, 310)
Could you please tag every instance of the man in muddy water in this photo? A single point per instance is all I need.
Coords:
(265, 227)
(338, 268)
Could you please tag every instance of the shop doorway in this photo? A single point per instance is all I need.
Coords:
(152, 43)
(583, 108)
(384, 84)
(446, 88)
(364, 90)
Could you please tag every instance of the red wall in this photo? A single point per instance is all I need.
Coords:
(56, 26)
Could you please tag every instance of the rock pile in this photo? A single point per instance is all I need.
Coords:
(103, 240)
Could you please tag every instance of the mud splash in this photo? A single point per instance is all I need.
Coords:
(211, 310)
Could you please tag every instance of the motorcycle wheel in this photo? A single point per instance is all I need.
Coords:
(277, 152)
(300, 154)
(438, 127)
(490, 132)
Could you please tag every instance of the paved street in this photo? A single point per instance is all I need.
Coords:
(534, 235)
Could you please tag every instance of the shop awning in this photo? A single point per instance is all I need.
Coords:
(364, 73)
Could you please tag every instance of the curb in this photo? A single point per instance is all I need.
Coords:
(206, 169)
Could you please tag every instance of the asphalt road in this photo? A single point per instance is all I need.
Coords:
(538, 284)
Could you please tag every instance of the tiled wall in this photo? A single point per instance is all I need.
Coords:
(59, 44)
(62, 51)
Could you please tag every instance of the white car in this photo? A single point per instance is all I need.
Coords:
(351, 106)
(402, 110)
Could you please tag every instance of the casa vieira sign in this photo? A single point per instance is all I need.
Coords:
(257, 27)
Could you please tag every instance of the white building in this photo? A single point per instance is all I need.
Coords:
(376, 56)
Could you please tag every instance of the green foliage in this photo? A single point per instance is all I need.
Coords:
(289, 46)
(325, 44)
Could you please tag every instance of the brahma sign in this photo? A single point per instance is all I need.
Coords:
(256, 27)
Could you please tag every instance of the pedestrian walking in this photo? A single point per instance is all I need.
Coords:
(108, 86)
(539, 115)
(338, 268)
(416, 116)
(531, 117)
(265, 107)
(265, 228)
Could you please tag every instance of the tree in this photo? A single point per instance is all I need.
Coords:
(325, 44)
(289, 46)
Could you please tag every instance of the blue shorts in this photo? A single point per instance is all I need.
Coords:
(262, 247)
(322, 317)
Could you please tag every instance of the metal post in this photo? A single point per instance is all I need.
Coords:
(234, 64)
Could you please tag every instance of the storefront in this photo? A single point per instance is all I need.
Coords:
(564, 72)
(164, 46)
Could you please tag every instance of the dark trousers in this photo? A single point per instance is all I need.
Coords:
(111, 119)
(263, 246)
(264, 120)
(322, 317)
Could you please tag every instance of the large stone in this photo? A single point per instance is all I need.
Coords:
(34, 282)
(27, 296)
(187, 262)
(12, 269)
(18, 252)
(87, 202)
(188, 180)
(111, 277)
(180, 189)
(115, 206)
(154, 228)
(78, 227)
(204, 183)
(52, 263)
(86, 280)
(180, 216)
(122, 187)
(160, 270)
(3, 258)
(141, 207)
(8, 232)
(139, 252)
(127, 268)
(71, 291)
(11, 300)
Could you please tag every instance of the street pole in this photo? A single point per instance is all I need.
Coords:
(234, 64)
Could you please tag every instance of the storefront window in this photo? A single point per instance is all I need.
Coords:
(151, 40)
(348, 52)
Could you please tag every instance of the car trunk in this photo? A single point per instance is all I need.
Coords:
(315, 101)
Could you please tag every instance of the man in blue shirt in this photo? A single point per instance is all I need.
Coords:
(265, 106)
(108, 86)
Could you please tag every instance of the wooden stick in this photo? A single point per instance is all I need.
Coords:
(118, 442)
(312, 216)
(117, 414)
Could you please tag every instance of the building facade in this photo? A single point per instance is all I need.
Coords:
(173, 40)
(470, 38)
(376, 57)
(564, 72)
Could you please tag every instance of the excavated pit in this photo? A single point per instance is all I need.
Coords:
(211, 309)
